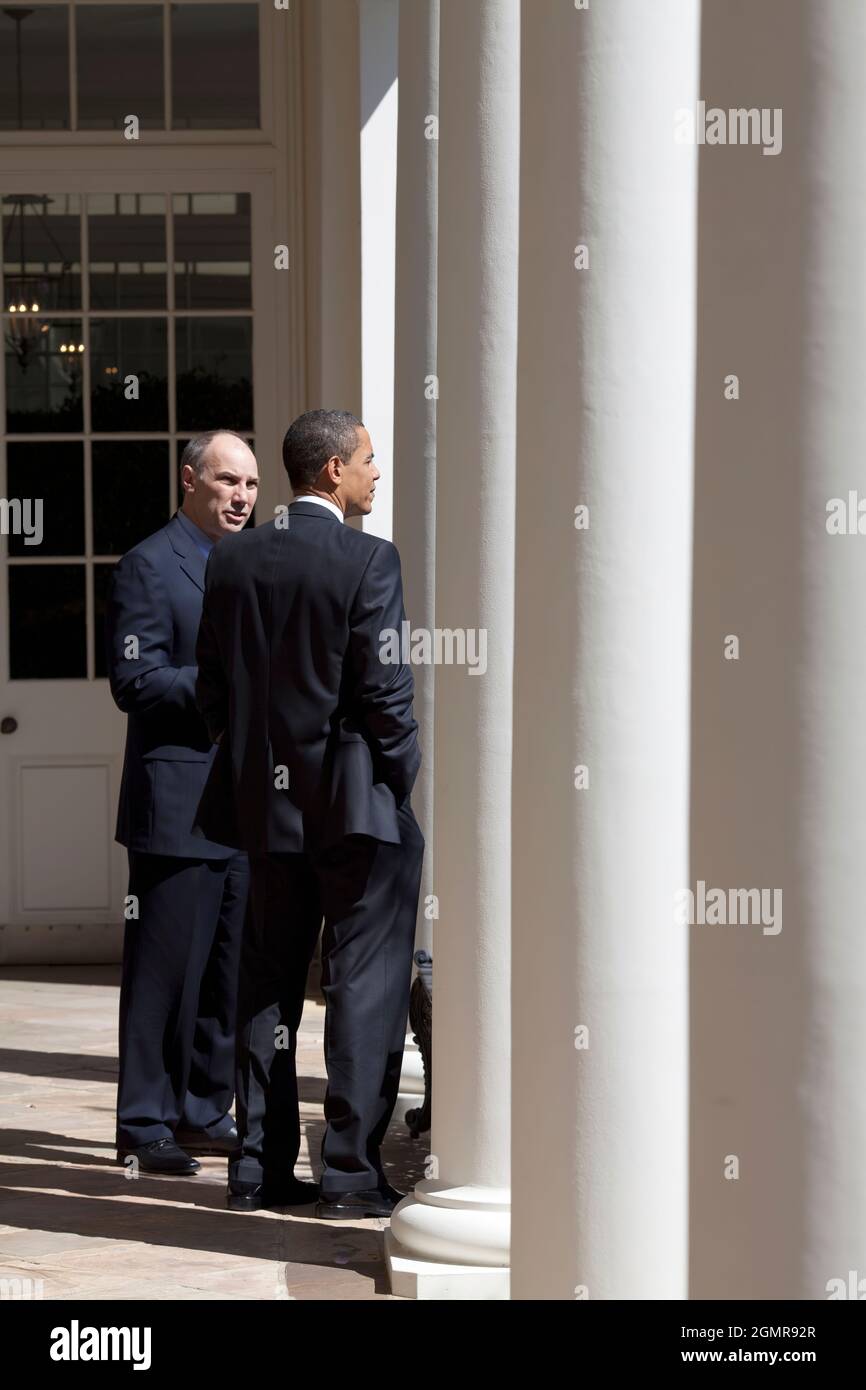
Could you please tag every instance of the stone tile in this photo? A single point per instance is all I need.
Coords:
(70, 1216)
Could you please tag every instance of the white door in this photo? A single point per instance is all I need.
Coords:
(110, 364)
(132, 274)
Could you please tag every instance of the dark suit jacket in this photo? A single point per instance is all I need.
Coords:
(156, 597)
(290, 675)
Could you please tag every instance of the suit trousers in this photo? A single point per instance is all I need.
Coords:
(367, 892)
(178, 995)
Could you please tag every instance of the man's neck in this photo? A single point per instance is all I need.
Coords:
(322, 496)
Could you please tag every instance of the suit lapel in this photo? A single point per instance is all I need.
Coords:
(192, 560)
(193, 565)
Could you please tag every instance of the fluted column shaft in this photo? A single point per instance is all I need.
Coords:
(460, 1216)
(600, 794)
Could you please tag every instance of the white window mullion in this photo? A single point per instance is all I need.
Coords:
(89, 584)
(171, 356)
(73, 71)
(166, 63)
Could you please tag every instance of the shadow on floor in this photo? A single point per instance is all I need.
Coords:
(90, 1210)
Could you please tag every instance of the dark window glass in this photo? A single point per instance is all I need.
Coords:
(43, 385)
(119, 51)
(123, 348)
(130, 492)
(101, 585)
(41, 256)
(214, 67)
(54, 475)
(127, 250)
(214, 373)
(34, 67)
(212, 250)
(47, 634)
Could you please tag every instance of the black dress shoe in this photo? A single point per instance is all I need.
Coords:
(352, 1206)
(160, 1156)
(202, 1142)
(276, 1192)
(386, 1190)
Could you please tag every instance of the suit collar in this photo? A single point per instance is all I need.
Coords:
(192, 561)
(315, 509)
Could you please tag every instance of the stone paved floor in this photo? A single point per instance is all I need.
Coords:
(72, 1219)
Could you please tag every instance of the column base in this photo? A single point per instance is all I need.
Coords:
(450, 1242)
(427, 1281)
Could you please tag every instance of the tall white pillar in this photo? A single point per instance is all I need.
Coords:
(449, 1239)
(600, 792)
(779, 1131)
(415, 380)
(832, 830)
(378, 31)
(332, 205)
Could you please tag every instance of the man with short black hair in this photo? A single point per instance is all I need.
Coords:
(318, 752)
(187, 894)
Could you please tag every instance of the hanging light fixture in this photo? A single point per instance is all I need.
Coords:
(29, 294)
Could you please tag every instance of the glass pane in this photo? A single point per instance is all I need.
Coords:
(124, 348)
(34, 68)
(214, 67)
(119, 66)
(53, 474)
(127, 251)
(43, 383)
(47, 635)
(130, 492)
(41, 253)
(101, 585)
(214, 374)
(212, 250)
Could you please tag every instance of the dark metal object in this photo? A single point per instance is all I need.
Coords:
(421, 1023)
(8, 724)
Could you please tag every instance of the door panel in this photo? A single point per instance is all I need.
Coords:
(68, 804)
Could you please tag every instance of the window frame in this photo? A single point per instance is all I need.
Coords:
(262, 313)
(264, 134)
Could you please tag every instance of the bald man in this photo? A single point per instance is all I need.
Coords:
(187, 895)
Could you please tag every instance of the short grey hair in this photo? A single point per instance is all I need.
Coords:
(196, 450)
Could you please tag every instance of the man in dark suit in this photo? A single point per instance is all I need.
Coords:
(188, 895)
(318, 753)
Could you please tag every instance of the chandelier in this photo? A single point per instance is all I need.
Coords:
(29, 293)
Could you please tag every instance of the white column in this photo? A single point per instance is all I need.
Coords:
(450, 1238)
(832, 668)
(780, 735)
(332, 205)
(416, 387)
(605, 421)
(378, 26)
